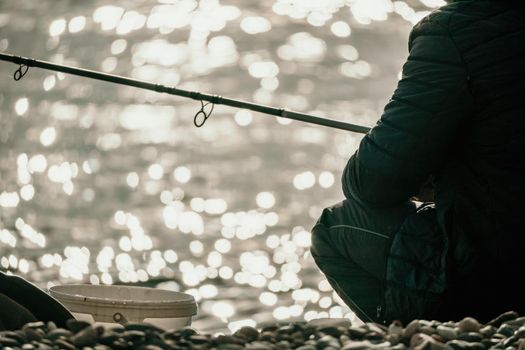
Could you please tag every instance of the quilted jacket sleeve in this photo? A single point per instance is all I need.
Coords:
(420, 123)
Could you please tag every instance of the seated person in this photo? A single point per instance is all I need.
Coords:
(456, 124)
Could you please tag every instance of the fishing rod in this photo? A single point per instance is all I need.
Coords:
(201, 116)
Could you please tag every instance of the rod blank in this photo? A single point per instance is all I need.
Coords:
(116, 79)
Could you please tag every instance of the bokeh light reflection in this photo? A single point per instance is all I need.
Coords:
(103, 184)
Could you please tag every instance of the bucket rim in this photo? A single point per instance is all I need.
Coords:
(60, 293)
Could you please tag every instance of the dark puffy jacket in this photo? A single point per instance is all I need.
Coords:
(458, 117)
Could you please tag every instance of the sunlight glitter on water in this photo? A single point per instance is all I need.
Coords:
(6, 237)
(21, 106)
(124, 173)
(341, 29)
(108, 16)
(255, 25)
(303, 47)
(223, 310)
(57, 27)
(77, 24)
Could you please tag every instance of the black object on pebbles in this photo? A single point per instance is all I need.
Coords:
(506, 332)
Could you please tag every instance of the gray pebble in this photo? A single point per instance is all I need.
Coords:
(504, 317)
(280, 337)
(420, 338)
(144, 327)
(288, 329)
(19, 336)
(376, 327)
(382, 345)
(86, 337)
(511, 341)
(343, 339)
(356, 332)
(306, 347)
(330, 322)
(411, 329)
(34, 325)
(395, 329)
(458, 344)
(498, 336)
(193, 346)
(468, 324)
(249, 333)
(328, 341)
(33, 334)
(133, 335)
(476, 346)
(298, 337)
(101, 347)
(64, 344)
(44, 346)
(427, 330)
(428, 345)
(229, 339)
(282, 345)
(108, 338)
(520, 333)
(489, 342)
(331, 348)
(267, 336)
(507, 330)
(148, 347)
(470, 337)
(488, 331)
(187, 332)
(333, 331)
(58, 333)
(447, 333)
(358, 345)
(76, 326)
(259, 345)
(518, 322)
(199, 339)
(374, 336)
(46, 341)
(119, 344)
(5, 341)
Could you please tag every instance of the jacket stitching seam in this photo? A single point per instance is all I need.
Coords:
(421, 82)
(418, 58)
(359, 229)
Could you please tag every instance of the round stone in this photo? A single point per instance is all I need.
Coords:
(468, 324)
(420, 338)
(249, 333)
(447, 333)
(411, 329)
(470, 337)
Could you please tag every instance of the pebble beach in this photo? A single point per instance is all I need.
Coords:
(507, 331)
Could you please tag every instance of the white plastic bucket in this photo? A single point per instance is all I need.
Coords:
(122, 304)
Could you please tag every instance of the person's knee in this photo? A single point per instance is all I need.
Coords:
(322, 242)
